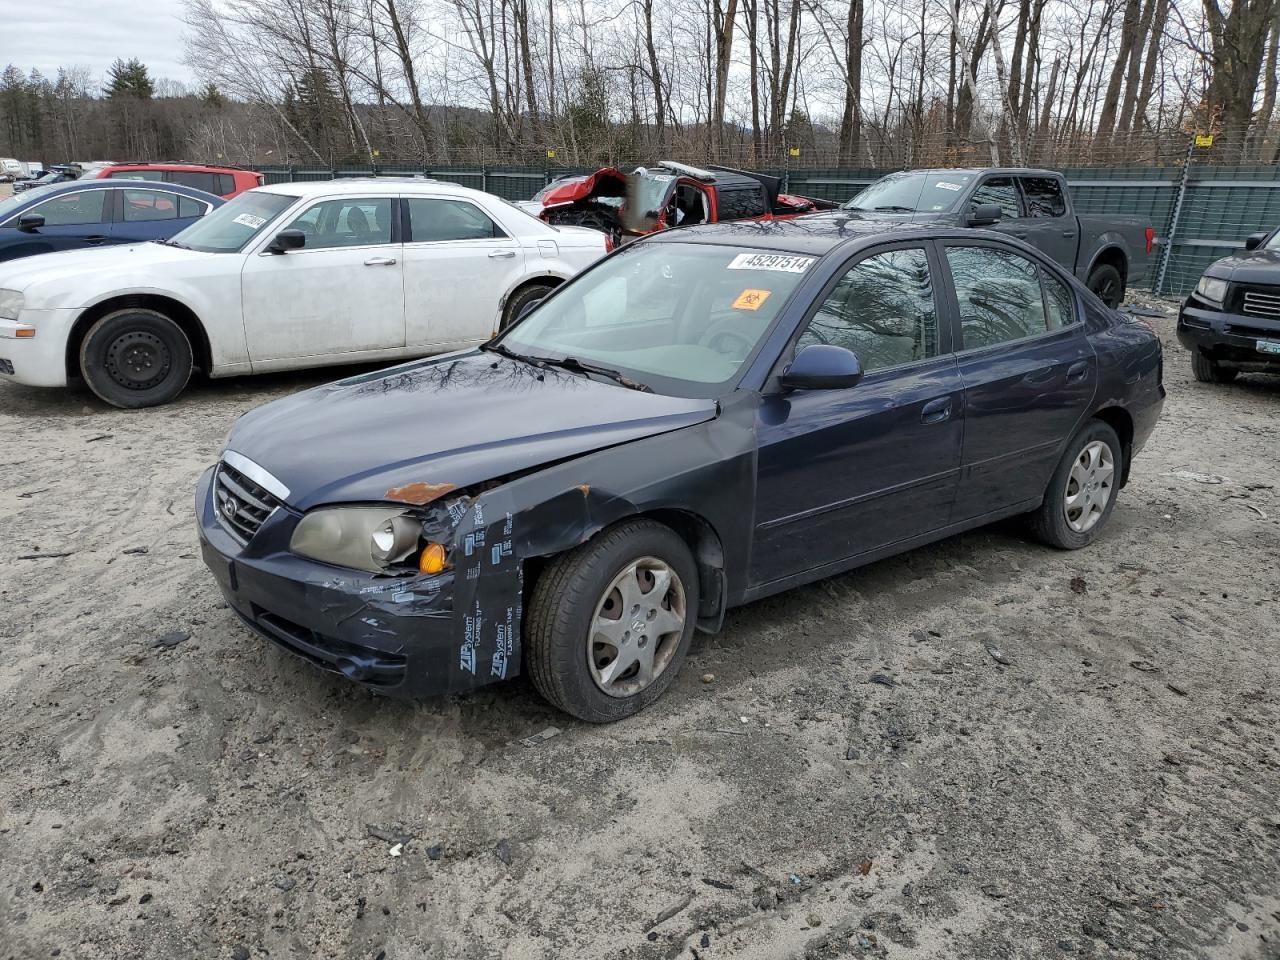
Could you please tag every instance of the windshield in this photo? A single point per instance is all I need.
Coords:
(681, 318)
(230, 228)
(933, 192)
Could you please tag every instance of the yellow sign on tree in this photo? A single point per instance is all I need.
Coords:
(551, 154)
(794, 151)
(1204, 139)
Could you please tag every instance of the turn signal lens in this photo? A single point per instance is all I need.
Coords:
(25, 333)
(432, 559)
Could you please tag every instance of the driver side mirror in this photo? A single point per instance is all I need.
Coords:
(984, 214)
(30, 222)
(822, 366)
(1252, 242)
(287, 240)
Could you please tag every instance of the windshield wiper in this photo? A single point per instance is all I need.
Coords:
(172, 243)
(896, 208)
(574, 364)
(504, 351)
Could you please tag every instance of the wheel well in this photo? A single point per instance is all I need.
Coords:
(1118, 419)
(546, 280)
(1113, 256)
(176, 311)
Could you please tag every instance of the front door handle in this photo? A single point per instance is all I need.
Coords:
(1078, 370)
(380, 262)
(501, 254)
(95, 240)
(936, 411)
(1069, 234)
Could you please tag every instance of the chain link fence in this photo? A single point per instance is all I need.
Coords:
(1200, 211)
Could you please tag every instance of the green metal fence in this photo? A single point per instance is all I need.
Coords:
(1200, 213)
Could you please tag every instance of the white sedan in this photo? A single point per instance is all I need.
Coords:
(285, 276)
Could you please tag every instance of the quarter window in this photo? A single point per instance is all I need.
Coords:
(144, 205)
(882, 309)
(73, 209)
(437, 220)
(1001, 192)
(1044, 197)
(349, 222)
(190, 208)
(999, 295)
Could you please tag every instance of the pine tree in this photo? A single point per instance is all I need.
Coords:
(129, 79)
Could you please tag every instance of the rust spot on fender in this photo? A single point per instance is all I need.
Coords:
(419, 493)
(585, 488)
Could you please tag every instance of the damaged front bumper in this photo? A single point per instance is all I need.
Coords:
(395, 635)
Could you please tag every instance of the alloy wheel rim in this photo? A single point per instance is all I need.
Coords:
(636, 627)
(138, 360)
(1090, 485)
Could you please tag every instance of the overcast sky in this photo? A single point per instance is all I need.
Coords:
(48, 34)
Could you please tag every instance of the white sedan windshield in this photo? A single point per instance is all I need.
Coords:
(230, 228)
(684, 313)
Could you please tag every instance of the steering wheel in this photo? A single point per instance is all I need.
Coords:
(727, 341)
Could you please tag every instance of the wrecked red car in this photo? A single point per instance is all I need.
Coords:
(670, 194)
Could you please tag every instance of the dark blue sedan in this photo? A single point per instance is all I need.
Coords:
(91, 213)
(706, 417)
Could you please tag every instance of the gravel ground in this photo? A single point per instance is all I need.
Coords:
(847, 770)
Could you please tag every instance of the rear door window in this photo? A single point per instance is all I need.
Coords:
(998, 292)
(145, 205)
(432, 221)
(1044, 197)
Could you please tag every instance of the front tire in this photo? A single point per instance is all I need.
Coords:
(1107, 284)
(136, 358)
(610, 622)
(1082, 491)
(1207, 370)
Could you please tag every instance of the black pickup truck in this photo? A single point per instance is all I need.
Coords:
(1107, 253)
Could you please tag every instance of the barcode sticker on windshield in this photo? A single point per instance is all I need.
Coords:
(770, 261)
(946, 185)
(249, 220)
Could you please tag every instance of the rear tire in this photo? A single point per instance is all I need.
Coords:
(1082, 491)
(1107, 284)
(135, 358)
(568, 651)
(1207, 370)
(520, 299)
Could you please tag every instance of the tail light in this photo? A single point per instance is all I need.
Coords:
(1151, 238)
(608, 243)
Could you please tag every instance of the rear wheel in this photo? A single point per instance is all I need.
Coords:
(1105, 281)
(1207, 370)
(1082, 491)
(522, 298)
(136, 358)
(610, 622)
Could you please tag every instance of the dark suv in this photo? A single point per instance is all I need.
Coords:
(1231, 321)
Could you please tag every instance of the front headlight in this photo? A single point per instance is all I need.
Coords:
(1211, 288)
(364, 538)
(11, 302)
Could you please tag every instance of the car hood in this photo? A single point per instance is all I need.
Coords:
(416, 431)
(79, 265)
(1248, 266)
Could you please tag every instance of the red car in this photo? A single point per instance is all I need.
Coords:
(667, 195)
(225, 182)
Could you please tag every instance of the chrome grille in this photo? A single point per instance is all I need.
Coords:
(1262, 304)
(242, 505)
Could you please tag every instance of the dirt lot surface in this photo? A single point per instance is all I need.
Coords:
(981, 749)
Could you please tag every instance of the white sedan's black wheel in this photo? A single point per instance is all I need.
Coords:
(610, 623)
(136, 358)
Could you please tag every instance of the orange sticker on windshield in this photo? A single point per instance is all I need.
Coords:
(751, 299)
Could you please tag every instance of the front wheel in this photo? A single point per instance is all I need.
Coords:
(1082, 491)
(136, 358)
(1107, 284)
(1207, 370)
(610, 622)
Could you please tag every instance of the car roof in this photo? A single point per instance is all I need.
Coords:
(79, 186)
(164, 165)
(973, 171)
(814, 234)
(355, 185)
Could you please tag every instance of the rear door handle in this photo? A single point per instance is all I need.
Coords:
(936, 411)
(1068, 234)
(1078, 370)
(380, 262)
(501, 254)
(95, 240)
